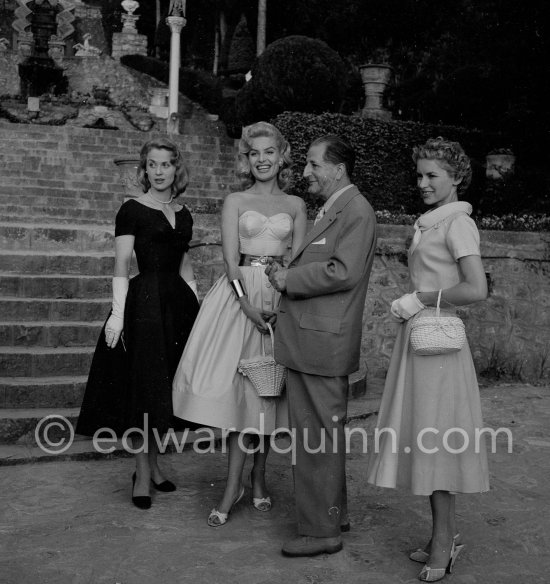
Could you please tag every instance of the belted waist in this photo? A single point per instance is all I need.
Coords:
(256, 260)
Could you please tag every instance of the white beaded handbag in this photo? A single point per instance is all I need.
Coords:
(265, 374)
(437, 335)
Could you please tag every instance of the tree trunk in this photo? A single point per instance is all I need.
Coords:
(262, 13)
(217, 42)
(157, 22)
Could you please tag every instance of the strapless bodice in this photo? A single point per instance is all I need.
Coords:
(262, 235)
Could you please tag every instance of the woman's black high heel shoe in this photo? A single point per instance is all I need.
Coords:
(141, 502)
(165, 486)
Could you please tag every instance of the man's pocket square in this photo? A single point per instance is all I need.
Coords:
(320, 242)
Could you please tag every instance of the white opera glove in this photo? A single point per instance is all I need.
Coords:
(115, 323)
(406, 306)
(193, 285)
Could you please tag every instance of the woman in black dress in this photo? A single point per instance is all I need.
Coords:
(129, 389)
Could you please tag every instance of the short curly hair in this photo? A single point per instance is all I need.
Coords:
(181, 178)
(263, 130)
(450, 155)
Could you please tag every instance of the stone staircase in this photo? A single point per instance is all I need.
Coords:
(59, 192)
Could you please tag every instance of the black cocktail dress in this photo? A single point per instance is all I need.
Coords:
(131, 385)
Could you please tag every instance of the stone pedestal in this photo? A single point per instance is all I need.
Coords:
(159, 102)
(376, 79)
(127, 169)
(128, 43)
(129, 23)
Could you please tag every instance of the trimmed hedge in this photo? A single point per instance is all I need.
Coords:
(385, 173)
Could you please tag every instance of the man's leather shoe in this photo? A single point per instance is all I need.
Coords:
(307, 545)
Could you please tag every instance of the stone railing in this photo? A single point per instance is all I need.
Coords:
(508, 334)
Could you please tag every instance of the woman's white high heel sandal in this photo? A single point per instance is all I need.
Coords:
(217, 518)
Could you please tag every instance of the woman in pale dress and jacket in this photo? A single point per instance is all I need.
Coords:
(431, 406)
(258, 223)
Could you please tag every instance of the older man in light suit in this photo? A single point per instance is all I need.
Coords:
(318, 338)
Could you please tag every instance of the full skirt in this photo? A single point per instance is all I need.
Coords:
(130, 386)
(429, 433)
(208, 389)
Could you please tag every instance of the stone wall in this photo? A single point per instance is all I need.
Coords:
(508, 334)
(128, 43)
(9, 74)
(210, 159)
(86, 72)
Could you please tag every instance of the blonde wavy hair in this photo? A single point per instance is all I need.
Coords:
(181, 178)
(263, 130)
(450, 155)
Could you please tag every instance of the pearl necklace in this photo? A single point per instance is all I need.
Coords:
(155, 201)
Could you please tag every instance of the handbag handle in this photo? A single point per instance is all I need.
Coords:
(437, 305)
(272, 341)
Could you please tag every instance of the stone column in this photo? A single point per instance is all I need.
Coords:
(176, 24)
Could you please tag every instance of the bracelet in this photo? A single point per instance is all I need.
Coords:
(238, 288)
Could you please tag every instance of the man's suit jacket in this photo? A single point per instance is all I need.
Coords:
(320, 316)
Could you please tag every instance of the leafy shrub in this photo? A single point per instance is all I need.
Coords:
(295, 73)
(154, 67)
(196, 84)
(523, 190)
(385, 172)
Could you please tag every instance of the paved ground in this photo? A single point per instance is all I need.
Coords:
(71, 522)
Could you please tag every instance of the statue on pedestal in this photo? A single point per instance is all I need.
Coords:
(86, 49)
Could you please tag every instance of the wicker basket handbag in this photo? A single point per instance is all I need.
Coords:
(267, 376)
(437, 335)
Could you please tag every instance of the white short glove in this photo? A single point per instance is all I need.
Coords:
(407, 306)
(193, 285)
(115, 323)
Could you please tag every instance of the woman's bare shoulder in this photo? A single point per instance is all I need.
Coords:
(297, 203)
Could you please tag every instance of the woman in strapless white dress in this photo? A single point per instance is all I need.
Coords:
(258, 223)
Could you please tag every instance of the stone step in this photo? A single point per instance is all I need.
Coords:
(46, 309)
(58, 262)
(50, 334)
(56, 286)
(45, 392)
(53, 237)
(20, 427)
(50, 425)
(44, 361)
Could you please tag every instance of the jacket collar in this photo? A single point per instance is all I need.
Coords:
(328, 218)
